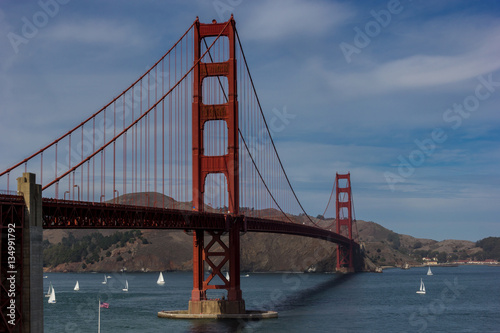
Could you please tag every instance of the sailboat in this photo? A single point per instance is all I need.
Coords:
(49, 291)
(105, 279)
(422, 287)
(52, 298)
(227, 275)
(126, 286)
(160, 279)
(429, 271)
(77, 286)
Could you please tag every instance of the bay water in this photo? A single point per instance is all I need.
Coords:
(458, 299)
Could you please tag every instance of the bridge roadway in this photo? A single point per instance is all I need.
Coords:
(66, 214)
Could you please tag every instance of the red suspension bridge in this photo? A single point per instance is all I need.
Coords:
(186, 147)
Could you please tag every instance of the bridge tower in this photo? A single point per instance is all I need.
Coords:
(216, 253)
(344, 221)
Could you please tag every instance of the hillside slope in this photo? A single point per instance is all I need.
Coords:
(163, 250)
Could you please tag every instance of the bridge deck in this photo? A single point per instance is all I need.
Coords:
(66, 214)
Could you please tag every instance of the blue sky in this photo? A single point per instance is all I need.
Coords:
(404, 95)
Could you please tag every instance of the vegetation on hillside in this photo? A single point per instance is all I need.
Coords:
(87, 248)
(491, 248)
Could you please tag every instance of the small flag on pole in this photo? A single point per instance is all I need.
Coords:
(105, 305)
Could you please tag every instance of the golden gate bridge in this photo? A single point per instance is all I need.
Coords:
(186, 146)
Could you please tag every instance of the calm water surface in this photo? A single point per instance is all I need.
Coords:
(458, 299)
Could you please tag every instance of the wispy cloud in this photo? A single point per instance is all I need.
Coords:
(95, 31)
(429, 68)
(272, 20)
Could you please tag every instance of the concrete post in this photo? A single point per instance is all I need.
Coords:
(32, 254)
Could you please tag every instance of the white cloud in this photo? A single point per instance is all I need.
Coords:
(95, 31)
(426, 69)
(272, 20)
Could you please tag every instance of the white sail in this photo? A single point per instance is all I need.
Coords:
(49, 291)
(429, 272)
(126, 286)
(105, 279)
(227, 275)
(77, 286)
(160, 281)
(422, 287)
(52, 298)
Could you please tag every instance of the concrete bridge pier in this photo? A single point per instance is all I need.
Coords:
(32, 256)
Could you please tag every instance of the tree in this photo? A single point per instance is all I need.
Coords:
(394, 239)
(442, 257)
(490, 246)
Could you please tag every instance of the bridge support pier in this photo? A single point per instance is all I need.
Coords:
(32, 255)
(345, 259)
(216, 253)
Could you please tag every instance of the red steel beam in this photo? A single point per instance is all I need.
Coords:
(66, 214)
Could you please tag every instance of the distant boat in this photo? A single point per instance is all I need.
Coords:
(246, 275)
(227, 275)
(109, 277)
(52, 298)
(105, 279)
(77, 286)
(422, 287)
(45, 276)
(126, 286)
(49, 291)
(160, 279)
(429, 271)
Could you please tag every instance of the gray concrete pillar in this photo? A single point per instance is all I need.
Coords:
(32, 254)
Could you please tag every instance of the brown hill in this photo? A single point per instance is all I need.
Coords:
(387, 248)
(160, 250)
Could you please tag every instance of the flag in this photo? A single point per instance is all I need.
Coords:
(105, 305)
